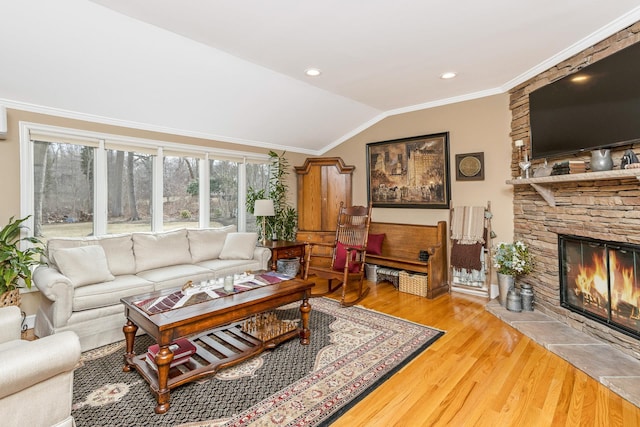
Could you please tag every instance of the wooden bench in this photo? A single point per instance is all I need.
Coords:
(401, 250)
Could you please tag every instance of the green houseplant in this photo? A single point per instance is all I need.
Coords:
(284, 225)
(16, 263)
(511, 260)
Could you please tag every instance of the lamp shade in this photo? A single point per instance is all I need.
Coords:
(264, 208)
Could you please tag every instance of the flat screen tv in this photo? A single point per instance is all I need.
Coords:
(597, 107)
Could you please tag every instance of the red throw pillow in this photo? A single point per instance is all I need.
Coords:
(341, 259)
(374, 244)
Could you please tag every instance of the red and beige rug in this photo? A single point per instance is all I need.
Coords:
(352, 351)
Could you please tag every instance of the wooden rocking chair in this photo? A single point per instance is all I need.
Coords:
(350, 244)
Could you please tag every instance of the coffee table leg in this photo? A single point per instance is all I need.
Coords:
(129, 330)
(163, 361)
(305, 333)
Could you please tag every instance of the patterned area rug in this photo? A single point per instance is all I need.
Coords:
(352, 351)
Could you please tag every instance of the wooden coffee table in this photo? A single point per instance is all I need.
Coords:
(218, 328)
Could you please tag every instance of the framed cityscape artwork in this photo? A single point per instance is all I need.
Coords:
(409, 172)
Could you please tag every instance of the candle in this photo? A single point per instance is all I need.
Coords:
(519, 143)
(228, 284)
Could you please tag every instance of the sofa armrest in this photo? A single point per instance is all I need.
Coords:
(31, 362)
(262, 255)
(58, 289)
(10, 322)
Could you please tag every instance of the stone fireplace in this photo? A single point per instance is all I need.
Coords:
(598, 206)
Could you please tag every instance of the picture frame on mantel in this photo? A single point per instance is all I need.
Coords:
(470, 167)
(409, 172)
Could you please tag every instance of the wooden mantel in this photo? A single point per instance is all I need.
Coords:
(542, 184)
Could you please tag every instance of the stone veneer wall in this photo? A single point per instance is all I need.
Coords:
(607, 210)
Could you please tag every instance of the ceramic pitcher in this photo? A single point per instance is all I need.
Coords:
(601, 160)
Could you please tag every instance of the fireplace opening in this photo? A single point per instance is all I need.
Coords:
(601, 280)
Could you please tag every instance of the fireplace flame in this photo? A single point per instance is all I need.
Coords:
(622, 284)
(591, 281)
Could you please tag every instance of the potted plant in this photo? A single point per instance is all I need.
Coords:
(511, 260)
(16, 263)
(283, 225)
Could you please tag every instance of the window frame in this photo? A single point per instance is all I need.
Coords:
(101, 142)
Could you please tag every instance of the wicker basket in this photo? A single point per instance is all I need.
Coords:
(10, 298)
(415, 284)
(388, 274)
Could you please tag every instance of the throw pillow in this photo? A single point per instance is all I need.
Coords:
(239, 246)
(341, 259)
(84, 265)
(374, 244)
(207, 243)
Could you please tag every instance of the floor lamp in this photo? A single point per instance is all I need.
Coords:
(264, 208)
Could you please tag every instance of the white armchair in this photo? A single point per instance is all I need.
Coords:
(36, 377)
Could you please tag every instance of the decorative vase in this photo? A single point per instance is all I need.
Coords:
(601, 160)
(506, 282)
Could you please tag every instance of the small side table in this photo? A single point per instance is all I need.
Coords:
(281, 249)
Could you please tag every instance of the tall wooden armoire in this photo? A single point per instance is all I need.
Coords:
(323, 182)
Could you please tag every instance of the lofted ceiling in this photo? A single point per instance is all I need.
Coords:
(234, 70)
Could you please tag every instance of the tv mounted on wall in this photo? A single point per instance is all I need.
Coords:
(597, 107)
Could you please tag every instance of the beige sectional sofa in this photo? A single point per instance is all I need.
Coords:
(85, 278)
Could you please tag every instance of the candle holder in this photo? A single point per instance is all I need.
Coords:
(525, 165)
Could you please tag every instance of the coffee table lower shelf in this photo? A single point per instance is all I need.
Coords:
(215, 349)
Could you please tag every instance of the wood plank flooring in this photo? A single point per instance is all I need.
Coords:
(482, 372)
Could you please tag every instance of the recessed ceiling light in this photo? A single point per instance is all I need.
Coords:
(312, 72)
(448, 75)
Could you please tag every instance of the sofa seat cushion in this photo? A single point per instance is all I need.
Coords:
(175, 276)
(155, 250)
(223, 267)
(109, 293)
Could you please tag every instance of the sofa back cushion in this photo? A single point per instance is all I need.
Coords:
(84, 265)
(207, 243)
(119, 252)
(239, 246)
(155, 250)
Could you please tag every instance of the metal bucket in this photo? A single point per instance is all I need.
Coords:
(514, 300)
(527, 297)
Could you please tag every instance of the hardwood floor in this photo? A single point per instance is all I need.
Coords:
(481, 372)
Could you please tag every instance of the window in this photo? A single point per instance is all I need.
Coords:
(223, 190)
(63, 182)
(81, 183)
(258, 179)
(129, 190)
(180, 203)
